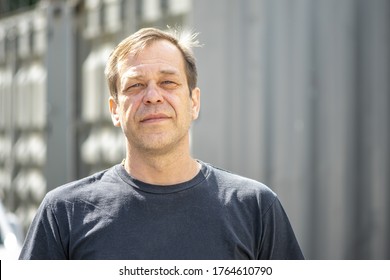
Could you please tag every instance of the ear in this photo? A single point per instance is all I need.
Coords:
(114, 110)
(195, 97)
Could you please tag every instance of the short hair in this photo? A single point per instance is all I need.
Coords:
(144, 37)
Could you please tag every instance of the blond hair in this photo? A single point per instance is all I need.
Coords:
(134, 43)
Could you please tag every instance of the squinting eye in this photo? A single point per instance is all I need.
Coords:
(136, 85)
(169, 84)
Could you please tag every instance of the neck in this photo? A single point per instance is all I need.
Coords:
(161, 169)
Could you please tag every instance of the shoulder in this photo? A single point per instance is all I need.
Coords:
(241, 187)
(79, 189)
(233, 180)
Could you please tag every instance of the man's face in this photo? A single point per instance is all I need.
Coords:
(154, 107)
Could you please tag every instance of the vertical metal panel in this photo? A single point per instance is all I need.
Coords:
(379, 129)
(253, 128)
(334, 65)
(228, 87)
(209, 136)
(291, 107)
(60, 90)
(372, 125)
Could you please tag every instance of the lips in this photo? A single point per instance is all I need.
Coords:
(154, 118)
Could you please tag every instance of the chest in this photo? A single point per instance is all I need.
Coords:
(169, 228)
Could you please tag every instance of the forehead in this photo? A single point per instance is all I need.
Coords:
(160, 56)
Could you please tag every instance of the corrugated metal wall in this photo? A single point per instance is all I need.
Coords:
(296, 94)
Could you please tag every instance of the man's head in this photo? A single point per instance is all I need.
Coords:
(154, 98)
(136, 42)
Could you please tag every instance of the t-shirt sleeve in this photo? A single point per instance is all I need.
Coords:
(43, 240)
(278, 241)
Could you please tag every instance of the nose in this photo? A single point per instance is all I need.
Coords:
(152, 95)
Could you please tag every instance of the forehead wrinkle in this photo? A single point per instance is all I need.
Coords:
(169, 71)
(131, 74)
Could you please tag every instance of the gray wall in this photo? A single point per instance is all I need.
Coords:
(296, 94)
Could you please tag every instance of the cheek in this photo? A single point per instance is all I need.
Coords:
(183, 108)
(125, 114)
(128, 106)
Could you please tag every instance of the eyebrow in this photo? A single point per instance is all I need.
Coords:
(134, 75)
(169, 72)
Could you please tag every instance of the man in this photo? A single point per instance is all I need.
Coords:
(160, 203)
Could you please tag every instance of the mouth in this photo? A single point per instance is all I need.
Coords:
(153, 118)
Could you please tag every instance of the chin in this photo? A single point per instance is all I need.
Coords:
(160, 146)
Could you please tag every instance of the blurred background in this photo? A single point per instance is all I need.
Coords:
(295, 94)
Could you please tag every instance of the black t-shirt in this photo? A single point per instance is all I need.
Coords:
(110, 215)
